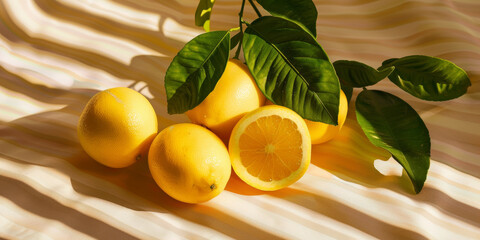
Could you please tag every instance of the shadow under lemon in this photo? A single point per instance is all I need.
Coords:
(238, 186)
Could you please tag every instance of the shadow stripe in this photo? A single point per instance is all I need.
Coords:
(35, 202)
(347, 215)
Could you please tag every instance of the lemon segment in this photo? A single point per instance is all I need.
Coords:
(270, 148)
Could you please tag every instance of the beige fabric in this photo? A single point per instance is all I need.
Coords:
(55, 55)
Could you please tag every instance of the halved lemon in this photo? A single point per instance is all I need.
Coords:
(270, 148)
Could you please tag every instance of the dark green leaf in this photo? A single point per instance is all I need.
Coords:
(392, 124)
(302, 12)
(202, 15)
(357, 74)
(235, 39)
(291, 68)
(428, 78)
(348, 92)
(196, 69)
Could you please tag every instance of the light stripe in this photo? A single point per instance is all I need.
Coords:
(329, 228)
(118, 13)
(23, 104)
(83, 74)
(11, 230)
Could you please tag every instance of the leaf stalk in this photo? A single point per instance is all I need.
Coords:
(255, 8)
(240, 20)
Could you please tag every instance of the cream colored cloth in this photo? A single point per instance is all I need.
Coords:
(55, 55)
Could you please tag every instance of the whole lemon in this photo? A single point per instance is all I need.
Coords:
(322, 132)
(117, 127)
(189, 163)
(235, 94)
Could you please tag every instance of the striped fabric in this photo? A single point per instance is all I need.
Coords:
(55, 55)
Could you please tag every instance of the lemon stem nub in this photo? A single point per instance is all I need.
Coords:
(213, 187)
(138, 157)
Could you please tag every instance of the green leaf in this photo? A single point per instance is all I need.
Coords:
(196, 69)
(428, 78)
(302, 12)
(348, 91)
(291, 68)
(235, 39)
(202, 15)
(392, 124)
(357, 74)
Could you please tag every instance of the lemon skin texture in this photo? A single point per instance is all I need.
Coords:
(235, 94)
(117, 127)
(189, 163)
(322, 132)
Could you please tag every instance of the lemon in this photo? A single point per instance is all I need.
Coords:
(322, 132)
(270, 148)
(117, 126)
(189, 163)
(235, 94)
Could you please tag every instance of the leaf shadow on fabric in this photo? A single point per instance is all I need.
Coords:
(351, 157)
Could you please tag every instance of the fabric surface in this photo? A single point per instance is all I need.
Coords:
(55, 55)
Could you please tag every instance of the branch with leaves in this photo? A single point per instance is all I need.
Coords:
(291, 69)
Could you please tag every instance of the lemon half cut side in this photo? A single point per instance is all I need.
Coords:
(270, 148)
